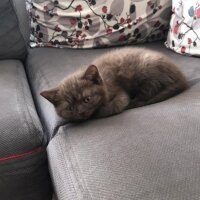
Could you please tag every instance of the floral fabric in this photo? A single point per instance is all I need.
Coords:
(96, 23)
(184, 33)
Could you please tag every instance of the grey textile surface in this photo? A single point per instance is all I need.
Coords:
(12, 43)
(46, 67)
(23, 160)
(25, 178)
(20, 128)
(147, 153)
(23, 18)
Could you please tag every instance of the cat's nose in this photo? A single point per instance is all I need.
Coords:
(82, 114)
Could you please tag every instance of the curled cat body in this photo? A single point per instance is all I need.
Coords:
(118, 80)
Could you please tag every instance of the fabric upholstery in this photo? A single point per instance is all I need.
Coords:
(88, 24)
(22, 15)
(23, 162)
(12, 44)
(26, 178)
(183, 36)
(20, 128)
(146, 153)
(47, 66)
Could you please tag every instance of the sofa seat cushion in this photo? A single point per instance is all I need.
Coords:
(47, 66)
(146, 153)
(23, 163)
(20, 127)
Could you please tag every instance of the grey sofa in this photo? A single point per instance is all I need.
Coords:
(148, 153)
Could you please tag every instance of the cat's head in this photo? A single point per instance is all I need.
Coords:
(78, 97)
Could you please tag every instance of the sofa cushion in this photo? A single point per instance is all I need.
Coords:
(20, 127)
(146, 153)
(47, 66)
(88, 24)
(23, 163)
(12, 44)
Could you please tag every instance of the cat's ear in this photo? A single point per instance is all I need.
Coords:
(92, 74)
(50, 95)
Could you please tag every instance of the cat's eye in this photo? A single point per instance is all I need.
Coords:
(86, 99)
(70, 108)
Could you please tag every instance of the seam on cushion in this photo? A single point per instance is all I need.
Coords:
(67, 167)
(21, 155)
(19, 25)
(56, 128)
(37, 131)
(21, 86)
(53, 132)
(33, 94)
(63, 123)
(19, 169)
(42, 77)
(34, 98)
(78, 175)
(78, 166)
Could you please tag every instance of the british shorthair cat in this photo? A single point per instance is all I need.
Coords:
(119, 80)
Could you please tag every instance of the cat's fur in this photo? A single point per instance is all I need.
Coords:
(118, 80)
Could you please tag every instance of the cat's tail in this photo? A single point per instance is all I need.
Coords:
(170, 91)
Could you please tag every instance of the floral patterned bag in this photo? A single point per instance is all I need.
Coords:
(97, 23)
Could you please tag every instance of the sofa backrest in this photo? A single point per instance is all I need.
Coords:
(13, 29)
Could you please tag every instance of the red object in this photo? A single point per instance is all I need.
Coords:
(77, 40)
(122, 20)
(104, 9)
(139, 19)
(73, 21)
(87, 16)
(149, 3)
(45, 8)
(109, 30)
(129, 20)
(78, 8)
(28, 153)
(122, 38)
(183, 50)
(57, 29)
(78, 33)
(176, 27)
(198, 13)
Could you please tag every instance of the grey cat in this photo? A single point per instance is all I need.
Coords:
(118, 80)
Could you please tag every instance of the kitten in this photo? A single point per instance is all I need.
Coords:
(118, 80)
